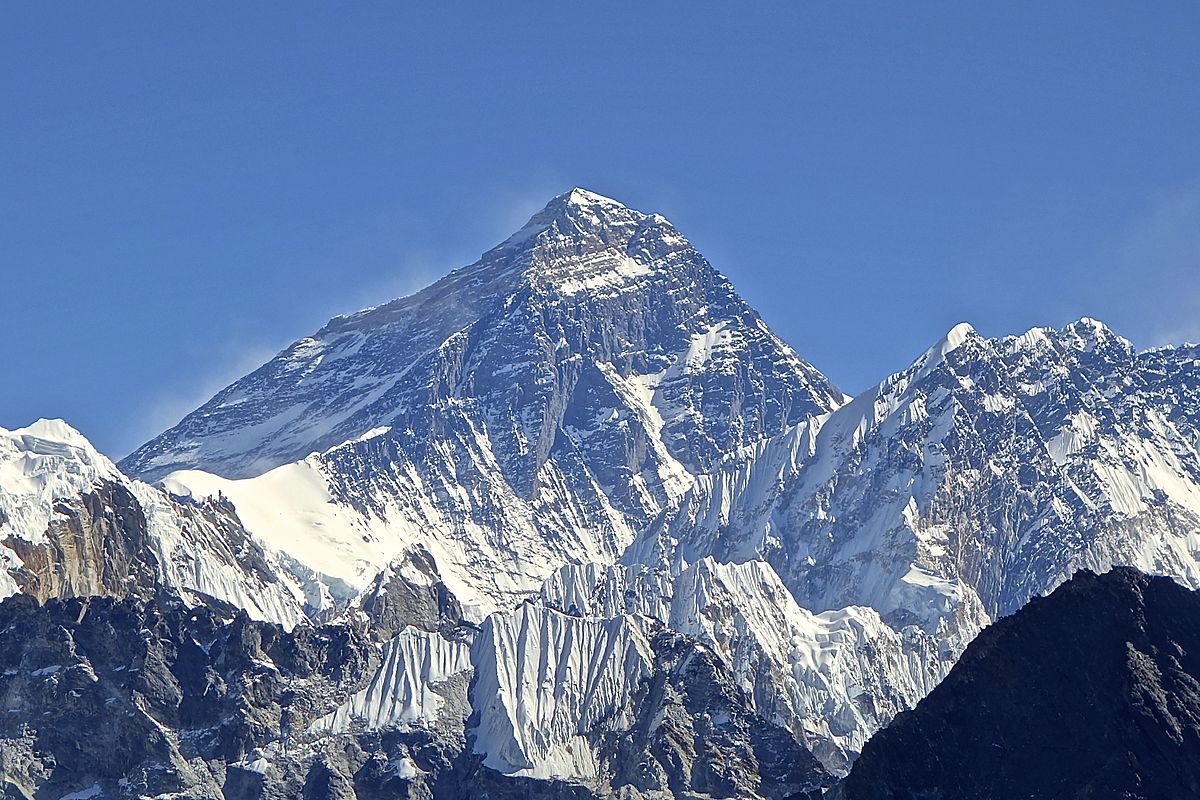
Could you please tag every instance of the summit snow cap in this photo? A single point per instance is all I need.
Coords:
(579, 202)
(576, 212)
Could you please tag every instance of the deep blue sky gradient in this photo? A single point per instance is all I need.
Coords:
(186, 189)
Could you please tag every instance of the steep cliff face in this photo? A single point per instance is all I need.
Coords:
(1093, 691)
(95, 544)
(133, 698)
(71, 525)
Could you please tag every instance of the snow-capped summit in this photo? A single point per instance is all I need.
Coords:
(582, 241)
(537, 407)
(55, 431)
(576, 209)
(956, 336)
(39, 464)
(586, 278)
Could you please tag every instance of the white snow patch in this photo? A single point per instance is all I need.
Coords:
(403, 690)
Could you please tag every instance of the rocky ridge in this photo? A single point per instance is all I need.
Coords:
(71, 525)
(131, 698)
(1093, 691)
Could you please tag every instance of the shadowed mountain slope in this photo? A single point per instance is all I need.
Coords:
(1091, 692)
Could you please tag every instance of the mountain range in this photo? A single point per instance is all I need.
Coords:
(571, 521)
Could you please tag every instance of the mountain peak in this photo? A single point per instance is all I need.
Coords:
(582, 206)
(46, 456)
(578, 196)
(956, 336)
(55, 430)
(1091, 329)
(935, 355)
(653, 306)
(575, 212)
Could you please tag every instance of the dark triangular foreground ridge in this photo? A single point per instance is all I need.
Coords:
(586, 277)
(1093, 691)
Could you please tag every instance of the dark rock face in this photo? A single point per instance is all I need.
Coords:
(99, 543)
(138, 698)
(694, 734)
(1092, 692)
(133, 698)
(393, 601)
(144, 697)
(96, 544)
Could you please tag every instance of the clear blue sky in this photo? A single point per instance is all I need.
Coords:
(183, 191)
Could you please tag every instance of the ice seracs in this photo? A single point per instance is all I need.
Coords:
(831, 678)
(547, 681)
(421, 681)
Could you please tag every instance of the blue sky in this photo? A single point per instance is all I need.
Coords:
(185, 190)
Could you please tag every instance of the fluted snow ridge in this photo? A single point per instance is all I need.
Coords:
(546, 682)
(420, 674)
(833, 678)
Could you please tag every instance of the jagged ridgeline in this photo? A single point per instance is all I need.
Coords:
(571, 521)
(150, 698)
